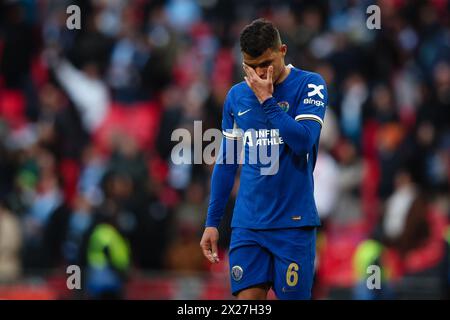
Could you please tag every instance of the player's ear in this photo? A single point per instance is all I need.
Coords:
(283, 49)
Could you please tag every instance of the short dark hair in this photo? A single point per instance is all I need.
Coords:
(259, 36)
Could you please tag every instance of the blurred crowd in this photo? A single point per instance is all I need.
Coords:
(86, 118)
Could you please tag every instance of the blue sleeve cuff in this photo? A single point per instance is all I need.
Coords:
(269, 102)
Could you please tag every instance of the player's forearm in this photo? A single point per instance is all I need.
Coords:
(222, 182)
(299, 136)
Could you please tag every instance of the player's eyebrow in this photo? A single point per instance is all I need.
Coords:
(261, 64)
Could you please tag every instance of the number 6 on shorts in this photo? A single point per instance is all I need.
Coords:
(292, 275)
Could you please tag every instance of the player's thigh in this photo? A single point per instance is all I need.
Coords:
(250, 264)
(294, 264)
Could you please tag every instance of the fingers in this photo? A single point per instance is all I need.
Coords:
(207, 253)
(270, 74)
(251, 74)
(247, 77)
(206, 249)
(215, 252)
(251, 77)
(209, 249)
(248, 82)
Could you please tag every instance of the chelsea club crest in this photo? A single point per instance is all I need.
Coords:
(284, 105)
(236, 273)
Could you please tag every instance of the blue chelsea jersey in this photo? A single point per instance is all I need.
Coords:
(283, 197)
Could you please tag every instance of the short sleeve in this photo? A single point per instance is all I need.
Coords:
(313, 100)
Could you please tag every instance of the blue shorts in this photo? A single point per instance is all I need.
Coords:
(282, 258)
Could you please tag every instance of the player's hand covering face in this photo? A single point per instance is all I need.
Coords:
(263, 88)
(258, 70)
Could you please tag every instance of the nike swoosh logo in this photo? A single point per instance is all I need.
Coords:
(243, 112)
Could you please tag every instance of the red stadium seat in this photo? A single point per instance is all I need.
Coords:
(140, 121)
(12, 107)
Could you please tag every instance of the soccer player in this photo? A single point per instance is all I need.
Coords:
(275, 217)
